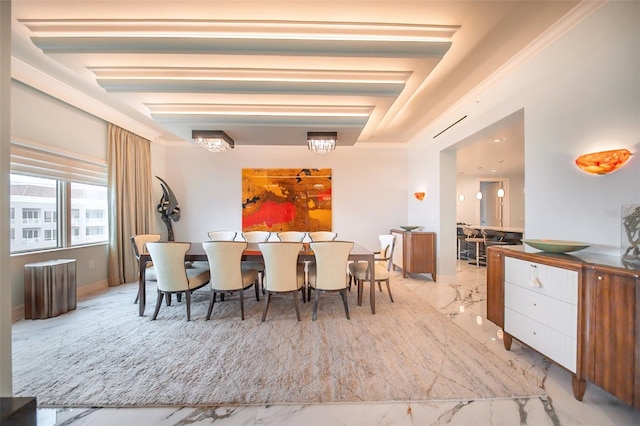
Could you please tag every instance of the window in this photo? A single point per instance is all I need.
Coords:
(54, 192)
(12, 234)
(30, 216)
(30, 198)
(50, 216)
(30, 235)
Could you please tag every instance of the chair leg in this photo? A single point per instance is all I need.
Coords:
(389, 290)
(179, 297)
(137, 298)
(242, 303)
(266, 305)
(158, 303)
(256, 286)
(316, 299)
(343, 293)
(379, 286)
(212, 300)
(296, 303)
(168, 299)
(188, 298)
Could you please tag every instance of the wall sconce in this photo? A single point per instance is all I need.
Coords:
(601, 163)
(479, 195)
(212, 140)
(419, 196)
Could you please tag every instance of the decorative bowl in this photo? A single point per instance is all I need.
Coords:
(556, 246)
(409, 228)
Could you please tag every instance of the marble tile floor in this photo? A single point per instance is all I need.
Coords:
(462, 299)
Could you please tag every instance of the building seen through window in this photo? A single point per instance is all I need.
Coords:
(38, 203)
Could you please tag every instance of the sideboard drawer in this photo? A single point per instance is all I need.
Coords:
(547, 341)
(559, 283)
(553, 313)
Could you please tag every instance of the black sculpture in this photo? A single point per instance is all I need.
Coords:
(168, 208)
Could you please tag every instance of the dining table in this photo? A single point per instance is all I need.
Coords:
(196, 252)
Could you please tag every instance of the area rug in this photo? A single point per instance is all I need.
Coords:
(104, 355)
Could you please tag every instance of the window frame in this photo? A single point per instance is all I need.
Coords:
(65, 168)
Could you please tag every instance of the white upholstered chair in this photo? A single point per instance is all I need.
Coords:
(283, 273)
(322, 236)
(172, 276)
(360, 270)
(227, 274)
(255, 237)
(222, 235)
(329, 271)
(139, 243)
(291, 236)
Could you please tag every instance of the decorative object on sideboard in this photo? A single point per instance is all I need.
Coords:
(601, 163)
(419, 195)
(168, 208)
(631, 234)
(409, 228)
(212, 140)
(322, 142)
(556, 246)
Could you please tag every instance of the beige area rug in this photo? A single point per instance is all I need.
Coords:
(104, 355)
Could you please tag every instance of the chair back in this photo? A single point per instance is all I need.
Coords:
(469, 232)
(168, 262)
(281, 266)
(331, 264)
(387, 246)
(322, 236)
(256, 236)
(140, 241)
(291, 236)
(222, 235)
(225, 259)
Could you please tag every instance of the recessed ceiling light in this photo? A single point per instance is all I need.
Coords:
(499, 140)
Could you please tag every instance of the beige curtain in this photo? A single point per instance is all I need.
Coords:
(130, 200)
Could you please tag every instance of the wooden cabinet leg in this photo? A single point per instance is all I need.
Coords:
(507, 339)
(579, 387)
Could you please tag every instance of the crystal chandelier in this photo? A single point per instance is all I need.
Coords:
(322, 142)
(212, 140)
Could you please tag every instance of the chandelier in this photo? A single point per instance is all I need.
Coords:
(212, 140)
(322, 142)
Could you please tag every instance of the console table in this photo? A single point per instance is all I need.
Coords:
(582, 311)
(415, 252)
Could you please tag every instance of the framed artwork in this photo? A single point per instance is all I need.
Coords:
(286, 200)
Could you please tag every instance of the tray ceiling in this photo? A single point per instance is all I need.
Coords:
(268, 72)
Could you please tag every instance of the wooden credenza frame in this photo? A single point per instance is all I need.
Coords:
(415, 252)
(607, 334)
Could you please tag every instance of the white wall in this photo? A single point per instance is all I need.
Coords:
(468, 211)
(369, 186)
(580, 94)
(41, 119)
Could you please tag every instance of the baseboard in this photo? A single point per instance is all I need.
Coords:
(17, 312)
(89, 289)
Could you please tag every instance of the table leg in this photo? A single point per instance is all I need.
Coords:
(372, 287)
(142, 294)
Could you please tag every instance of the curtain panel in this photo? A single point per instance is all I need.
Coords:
(130, 200)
